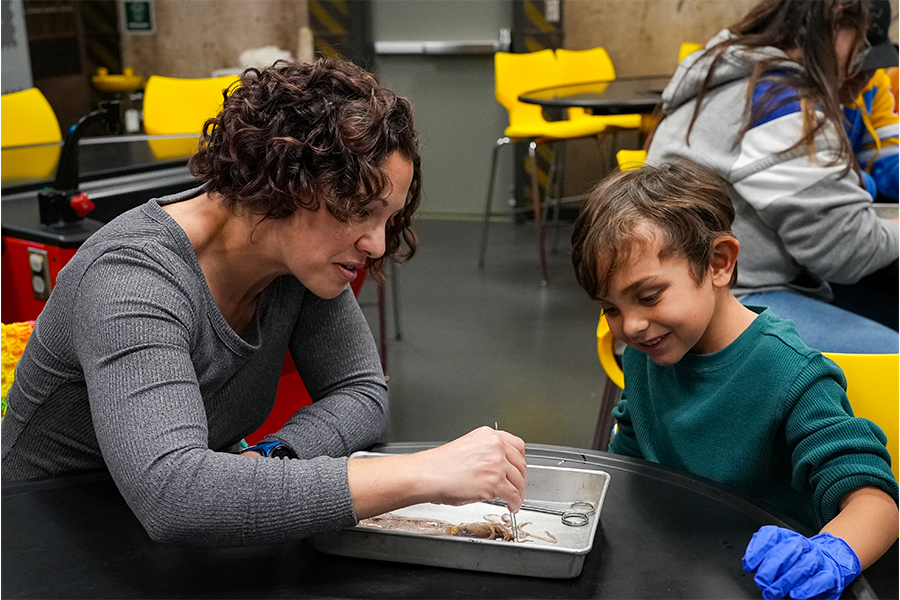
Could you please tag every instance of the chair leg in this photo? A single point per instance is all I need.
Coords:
(490, 195)
(382, 327)
(557, 181)
(395, 298)
(538, 218)
(608, 401)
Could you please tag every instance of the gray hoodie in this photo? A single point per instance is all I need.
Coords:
(800, 221)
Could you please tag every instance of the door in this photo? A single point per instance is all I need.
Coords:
(439, 54)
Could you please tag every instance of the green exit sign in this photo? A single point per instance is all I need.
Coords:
(139, 16)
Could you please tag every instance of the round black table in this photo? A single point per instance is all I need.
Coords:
(621, 96)
(661, 535)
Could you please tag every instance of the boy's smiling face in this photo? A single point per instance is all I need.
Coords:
(656, 306)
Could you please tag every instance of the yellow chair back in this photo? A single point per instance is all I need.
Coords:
(582, 66)
(173, 105)
(688, 48)
(873, 387)
(29, 120)
(606, 345)
(515, 74)
(591, 65)
(631, 160)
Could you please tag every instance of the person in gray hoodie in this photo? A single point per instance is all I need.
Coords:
(760, 105)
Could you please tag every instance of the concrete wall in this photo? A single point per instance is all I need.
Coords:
(643, 36)
(193, 38)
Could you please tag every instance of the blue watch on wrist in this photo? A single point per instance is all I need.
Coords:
(276, 449)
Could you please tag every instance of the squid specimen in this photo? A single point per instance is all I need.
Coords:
(492, 528)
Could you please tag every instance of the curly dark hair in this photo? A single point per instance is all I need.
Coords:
(294, 136)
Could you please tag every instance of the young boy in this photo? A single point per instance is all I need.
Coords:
(728, 392)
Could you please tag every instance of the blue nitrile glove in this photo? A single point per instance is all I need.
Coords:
(789, 564)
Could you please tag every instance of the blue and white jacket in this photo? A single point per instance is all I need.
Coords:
(802, 222)
(872, 129)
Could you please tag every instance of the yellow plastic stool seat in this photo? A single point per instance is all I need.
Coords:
(631, 160)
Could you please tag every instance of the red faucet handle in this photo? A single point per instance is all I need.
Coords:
(81, 204)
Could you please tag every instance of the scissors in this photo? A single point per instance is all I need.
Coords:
(576, 514)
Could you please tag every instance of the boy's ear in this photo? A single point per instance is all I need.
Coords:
(723, 260)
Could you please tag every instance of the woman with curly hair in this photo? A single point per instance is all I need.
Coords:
(161, 346)
(761, 106)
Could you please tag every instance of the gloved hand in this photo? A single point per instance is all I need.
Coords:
(787, 563)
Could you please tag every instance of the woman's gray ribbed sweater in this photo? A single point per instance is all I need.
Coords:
(132, 367)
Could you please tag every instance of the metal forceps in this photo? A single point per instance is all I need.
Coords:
(512, 515)
(576, 514)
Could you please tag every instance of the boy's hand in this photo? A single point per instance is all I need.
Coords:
(789, 564)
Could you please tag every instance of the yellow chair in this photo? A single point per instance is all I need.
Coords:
(515, 74)
(30, 126)
(688, 48)
(631, 160)
(873, 386)
(594, 64)
(606, 350)
(612, 390)
(583, 66)
(176, 106)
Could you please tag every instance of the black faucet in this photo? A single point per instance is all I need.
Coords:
(62, 203)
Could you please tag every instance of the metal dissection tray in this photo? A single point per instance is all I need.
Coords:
(533, 557)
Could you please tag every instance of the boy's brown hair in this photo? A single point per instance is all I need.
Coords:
(688, 202)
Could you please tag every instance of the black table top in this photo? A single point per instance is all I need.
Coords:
(661, 535)
(624, 95)
(117, 173)
(99, 157)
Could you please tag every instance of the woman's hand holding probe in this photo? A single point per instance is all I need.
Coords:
(481, 465)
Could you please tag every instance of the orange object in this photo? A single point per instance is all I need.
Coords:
(13, 338)
(892, 73)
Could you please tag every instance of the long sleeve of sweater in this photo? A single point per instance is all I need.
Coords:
(132, 367)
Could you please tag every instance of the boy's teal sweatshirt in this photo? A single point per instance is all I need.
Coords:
(766, 415)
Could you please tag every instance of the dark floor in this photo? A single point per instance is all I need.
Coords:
(492, 345)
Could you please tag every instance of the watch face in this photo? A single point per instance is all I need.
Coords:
(282, 451)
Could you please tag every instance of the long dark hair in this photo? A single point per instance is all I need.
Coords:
(295, 136)
(810, 26)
